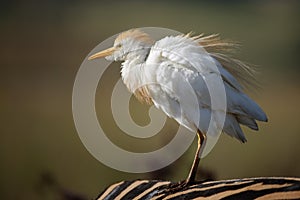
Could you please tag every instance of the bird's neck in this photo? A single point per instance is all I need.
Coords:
(136, 80)
(138, 56)
(131, 74)
(132, 69)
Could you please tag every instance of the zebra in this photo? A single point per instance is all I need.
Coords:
(246, 188)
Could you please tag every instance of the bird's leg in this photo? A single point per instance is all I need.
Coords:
(192, 175)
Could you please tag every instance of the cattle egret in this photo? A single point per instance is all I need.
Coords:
(150, 65)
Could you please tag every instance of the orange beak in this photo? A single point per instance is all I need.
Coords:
(103, 53)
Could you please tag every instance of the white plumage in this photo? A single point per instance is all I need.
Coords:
(172, 71)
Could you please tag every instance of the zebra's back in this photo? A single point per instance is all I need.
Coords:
(247, 188)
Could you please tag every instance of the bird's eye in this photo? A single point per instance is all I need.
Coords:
(119, 45)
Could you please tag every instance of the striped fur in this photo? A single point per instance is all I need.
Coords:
(247, 188)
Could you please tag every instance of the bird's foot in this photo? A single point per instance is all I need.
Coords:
(175, 187)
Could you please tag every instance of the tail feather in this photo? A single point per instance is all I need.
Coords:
(232, 128)
(252, 109)
(241, 104)
(236, 75)
(247, 121)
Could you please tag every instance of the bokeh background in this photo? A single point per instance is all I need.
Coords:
(43, 43)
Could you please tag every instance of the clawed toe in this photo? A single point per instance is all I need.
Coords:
(174, 187)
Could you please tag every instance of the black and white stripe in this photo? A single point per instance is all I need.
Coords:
(248, 188)
(237, 189)
(138, 189)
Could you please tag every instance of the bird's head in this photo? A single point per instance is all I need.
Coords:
(129, 43)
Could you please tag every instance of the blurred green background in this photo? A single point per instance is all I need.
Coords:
(43, 44)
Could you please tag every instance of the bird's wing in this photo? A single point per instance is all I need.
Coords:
(182, 51)
(182, 68)
(180, 63)
(188, 52)
(232, 69)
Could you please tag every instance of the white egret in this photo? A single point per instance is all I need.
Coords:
(154, 71)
